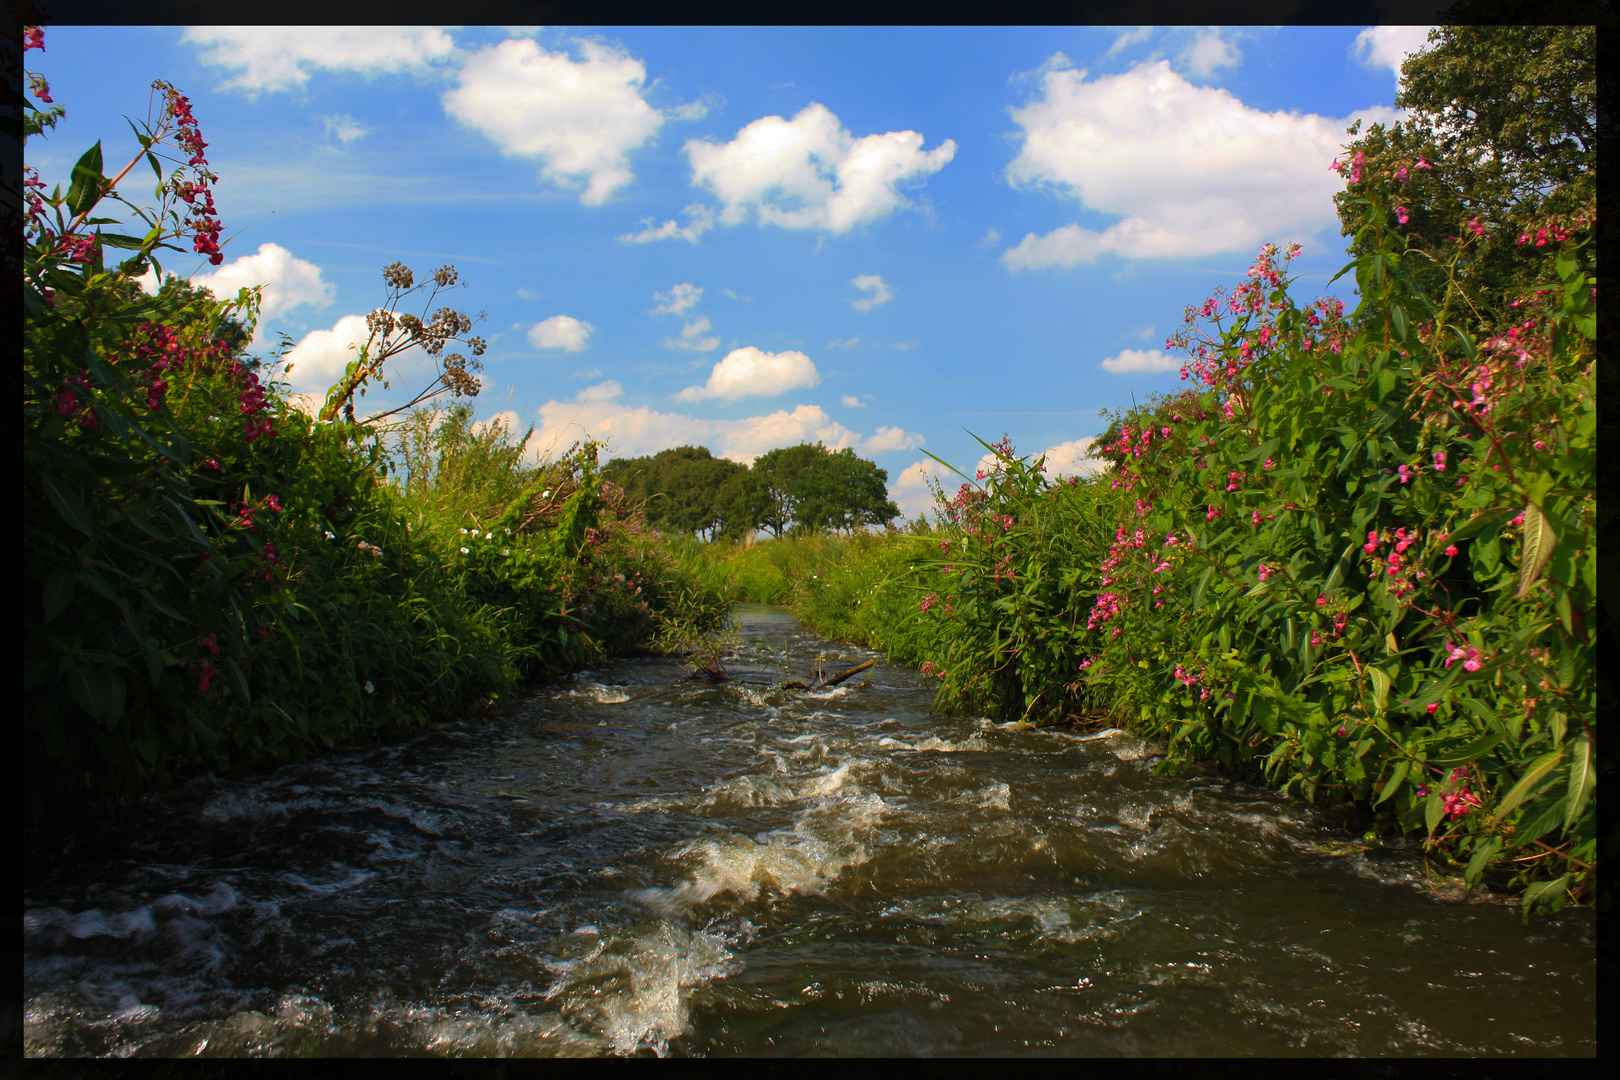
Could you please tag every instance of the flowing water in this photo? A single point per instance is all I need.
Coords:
(628, 864)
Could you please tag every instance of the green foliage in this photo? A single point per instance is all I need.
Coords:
(1358, 560)
(214, 581)
(1506, 116)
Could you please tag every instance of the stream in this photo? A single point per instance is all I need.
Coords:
(624, 863)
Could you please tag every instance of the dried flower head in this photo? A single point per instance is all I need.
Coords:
(398, 275)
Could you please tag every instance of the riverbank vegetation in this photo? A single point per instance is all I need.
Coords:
(1356, 558)
(214, 580)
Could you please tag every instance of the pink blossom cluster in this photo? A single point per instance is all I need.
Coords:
(1468, 655)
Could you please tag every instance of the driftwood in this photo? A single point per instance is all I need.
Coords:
(823, 683)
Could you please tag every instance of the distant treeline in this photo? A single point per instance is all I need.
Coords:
(806, 488)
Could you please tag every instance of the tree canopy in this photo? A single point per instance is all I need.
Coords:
(1498, 154)
(688, 489)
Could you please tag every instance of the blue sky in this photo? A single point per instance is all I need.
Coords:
(752, 237)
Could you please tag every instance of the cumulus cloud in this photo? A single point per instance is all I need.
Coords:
(1207, 52)
(344, 128)
(679, 300)
(269, 58)
(634, 431)
(850, 401)
(692, 338)
(288, 281)
(1389, 46)
(322, 356)
(885, 439)
(811, 173)
(910, 489)
(699, 217)
(560, 332)
(876, 292)
(1069, 459)
(1191, 170)
(1141, 360)
(506, 419)
(748, 372)
(581, 118)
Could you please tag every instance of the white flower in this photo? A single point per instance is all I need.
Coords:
(329, 535)
(369, 688)
(546, 494)
(464, 551)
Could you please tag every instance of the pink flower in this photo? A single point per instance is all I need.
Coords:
(1460, 804)
(1451, 549)
(1439, 461)
(1433, 706)
(1401, 214)
(1400, 176)
(33, 38)
(1265, 571)
(1421, 164)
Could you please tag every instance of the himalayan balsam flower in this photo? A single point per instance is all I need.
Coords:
(1401, 214)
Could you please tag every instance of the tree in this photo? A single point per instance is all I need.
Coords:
(815, 488)
(1498, 155)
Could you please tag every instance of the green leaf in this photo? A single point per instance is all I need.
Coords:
(1533, 893)
(1483, 854)
(1582, 780)
(1336, 578)
(1381, 685)
(1470, 752)
(1533, 775)
(238, 679)
(89, 689)
(119, 240)
(1433, 811)
(1395, 780)
(1538, 548)
(59, 585)
(68, 504)
(85, 190)
(1397, 319)
(1543, 815)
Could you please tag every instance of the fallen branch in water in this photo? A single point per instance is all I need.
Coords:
(823, 683)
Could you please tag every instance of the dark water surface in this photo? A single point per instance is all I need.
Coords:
(623, 865)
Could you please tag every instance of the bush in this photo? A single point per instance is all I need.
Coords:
(214, 581)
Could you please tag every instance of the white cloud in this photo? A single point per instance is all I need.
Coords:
(1208, 52)
(322, 356)
(679, 300)
(268, 58)
(506, 419)
(1069, 459)
(991, 238)
(289, 282)
(581, 118)
(634, 431)
(850, 401)
(1389, 46)
(877, 292)
(1141, 360)
(885, 439)
(587, 373)
(748, 372)
(811, 173)
(1191, 170)
(692, 338)
(344, 128)
(844, 343)
(560, 332)
(910, 489)
(740, 299)
(1127, 38)
(699, 217)
(1145, 333)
